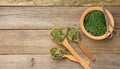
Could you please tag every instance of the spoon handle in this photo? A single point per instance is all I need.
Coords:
(72, 58)
(77, 57)
(87, 52)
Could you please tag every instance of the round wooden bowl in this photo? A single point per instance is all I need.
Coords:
(90, 35)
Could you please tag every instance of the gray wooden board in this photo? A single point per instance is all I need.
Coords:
(57, 2)
(44, 17)
(104, 61)
(25, 34)
(40, 41)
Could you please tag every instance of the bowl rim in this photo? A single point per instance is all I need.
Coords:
(90, 35)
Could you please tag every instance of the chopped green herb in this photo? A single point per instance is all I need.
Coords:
(95, 23)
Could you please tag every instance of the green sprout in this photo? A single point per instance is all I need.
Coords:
(73, 34)
(58, 35)
(57, 53)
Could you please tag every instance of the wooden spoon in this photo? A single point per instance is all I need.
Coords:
(60, 53)
(74, 31)
(83, 62)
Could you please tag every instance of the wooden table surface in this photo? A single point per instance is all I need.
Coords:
(25, 38)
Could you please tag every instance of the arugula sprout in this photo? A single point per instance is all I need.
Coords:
(57, 53)
(58, 35)
(73, 34)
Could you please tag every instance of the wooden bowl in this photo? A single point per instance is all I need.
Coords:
(90, 35)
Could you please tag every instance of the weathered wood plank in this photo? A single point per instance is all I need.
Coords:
(39, 42)
(104, 61)
(45, 17)
(34, 41)
(56, 2)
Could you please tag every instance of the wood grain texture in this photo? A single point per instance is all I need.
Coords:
(56, 2)
(44, 17)
(40, 42)
(45, 62)
(25, 34)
